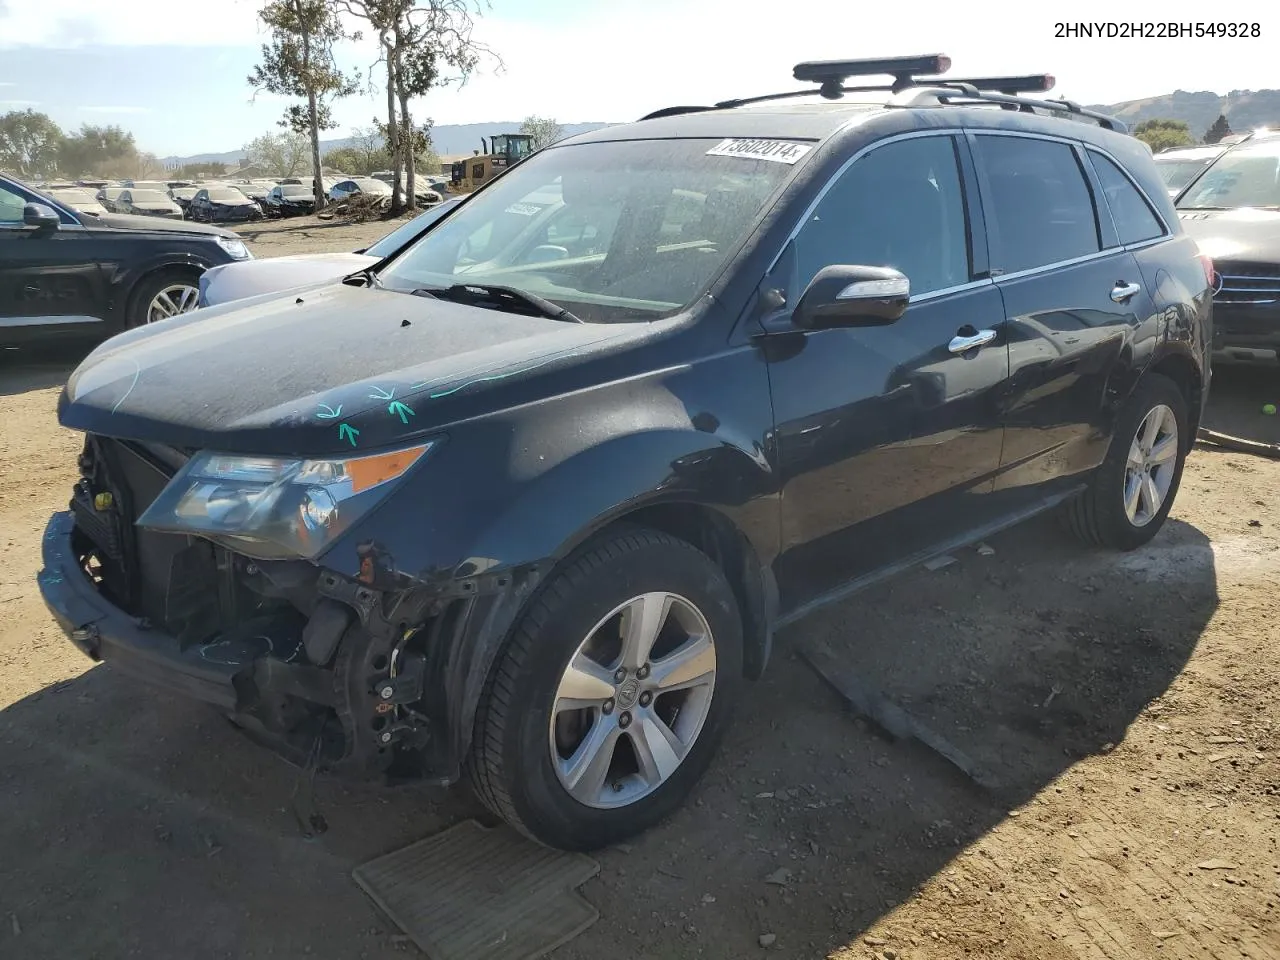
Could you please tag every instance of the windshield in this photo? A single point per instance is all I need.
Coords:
(630, 230)
(1243, 177)
(1176, 174)
(227, 195)
(295, 190)
(147, 196)
(398, 237)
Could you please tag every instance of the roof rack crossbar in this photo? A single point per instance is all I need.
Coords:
(830, 75)
(1027, 83)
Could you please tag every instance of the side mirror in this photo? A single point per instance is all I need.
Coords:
(852, 296)
(40, 215)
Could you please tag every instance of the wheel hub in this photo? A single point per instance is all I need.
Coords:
(1152, 462)
(628, 693)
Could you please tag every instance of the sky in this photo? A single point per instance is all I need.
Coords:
(173, 71)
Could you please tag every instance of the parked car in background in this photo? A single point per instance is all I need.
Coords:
(346, 189)
(80, 199)
(108, 195)
(224, 204)
(527, 506)
(182, 196)
(289, 200)
(67, 275)
(161, 185)
(1180, 166)
(147, 203)
(1232, 209)
(256, 190)
(252, 278)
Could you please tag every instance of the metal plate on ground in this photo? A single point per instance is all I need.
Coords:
(473, 893)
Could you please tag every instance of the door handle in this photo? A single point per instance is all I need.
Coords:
(963, 344)
(1123, 291)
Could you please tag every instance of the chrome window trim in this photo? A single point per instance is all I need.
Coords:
(1059, 264)
(1143, 244)
(947, 291)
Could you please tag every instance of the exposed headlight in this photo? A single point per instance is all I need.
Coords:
(235, 247)
(272, 507)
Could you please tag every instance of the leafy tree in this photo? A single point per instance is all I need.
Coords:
(1219, 130)
(1164, 134)
(419, 40)
(365, 153)
(543, 131)
(98, 150)
(29, 144)
(346, 159)
(284, 154)
(299, 62)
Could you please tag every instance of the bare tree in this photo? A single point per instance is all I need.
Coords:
(299, 62)
(424, 44)
(278, 153)
(542, 131)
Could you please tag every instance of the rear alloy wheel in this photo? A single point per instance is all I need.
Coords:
(611, 694)
(1132, 491)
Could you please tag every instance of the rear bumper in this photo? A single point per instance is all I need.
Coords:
(104, 632)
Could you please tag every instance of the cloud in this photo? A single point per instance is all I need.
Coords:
(19, 103)
(115, 109)
(7, 83)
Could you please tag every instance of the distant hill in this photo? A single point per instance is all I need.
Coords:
(1244, 109)
(448, 139)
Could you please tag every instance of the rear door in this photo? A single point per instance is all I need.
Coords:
(1074, 302)
(49, 281)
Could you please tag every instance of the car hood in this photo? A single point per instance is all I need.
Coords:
(342, 368)
(1247, 234)
(229, 282)
(124, 221)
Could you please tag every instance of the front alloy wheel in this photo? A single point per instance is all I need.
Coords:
(633, 700)
(172, 300)
(611, 693)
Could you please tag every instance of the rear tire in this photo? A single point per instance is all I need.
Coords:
(565, 689)
(1132, 491)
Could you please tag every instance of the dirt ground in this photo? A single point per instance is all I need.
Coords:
(1126, 707)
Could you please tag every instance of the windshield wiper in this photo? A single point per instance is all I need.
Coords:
(367, 275)
(504, 298)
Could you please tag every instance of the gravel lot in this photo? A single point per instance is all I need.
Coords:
(1125, 705)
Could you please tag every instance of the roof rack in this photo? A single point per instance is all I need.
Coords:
(912, 86)
(943, 95)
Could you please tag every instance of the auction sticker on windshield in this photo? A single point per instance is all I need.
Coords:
(779, 151)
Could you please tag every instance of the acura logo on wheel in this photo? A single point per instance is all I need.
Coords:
(628, 692)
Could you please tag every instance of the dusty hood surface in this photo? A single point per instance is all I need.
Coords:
(338, 369)
(126, 221)
(1248, 234)
(235, 281)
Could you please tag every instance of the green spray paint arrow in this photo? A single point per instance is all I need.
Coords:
(398, 409)
(328, 412)
(380, 394)
(347, 432)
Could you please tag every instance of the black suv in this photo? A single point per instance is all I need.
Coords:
(70, 275)
(1232, 209)
(526, 501)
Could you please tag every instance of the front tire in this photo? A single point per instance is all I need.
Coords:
(1132, 491)
(162, 295)
(608, 700)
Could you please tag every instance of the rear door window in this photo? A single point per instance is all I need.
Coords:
(1039, 206)
(1134, 220)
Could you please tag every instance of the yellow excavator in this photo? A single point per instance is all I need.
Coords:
(496, 153)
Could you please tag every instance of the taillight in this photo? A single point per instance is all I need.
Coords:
(1210, 276)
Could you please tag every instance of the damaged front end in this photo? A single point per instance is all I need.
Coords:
(376, 673)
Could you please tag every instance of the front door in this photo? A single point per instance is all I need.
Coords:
(888, 437)
(46, 285)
